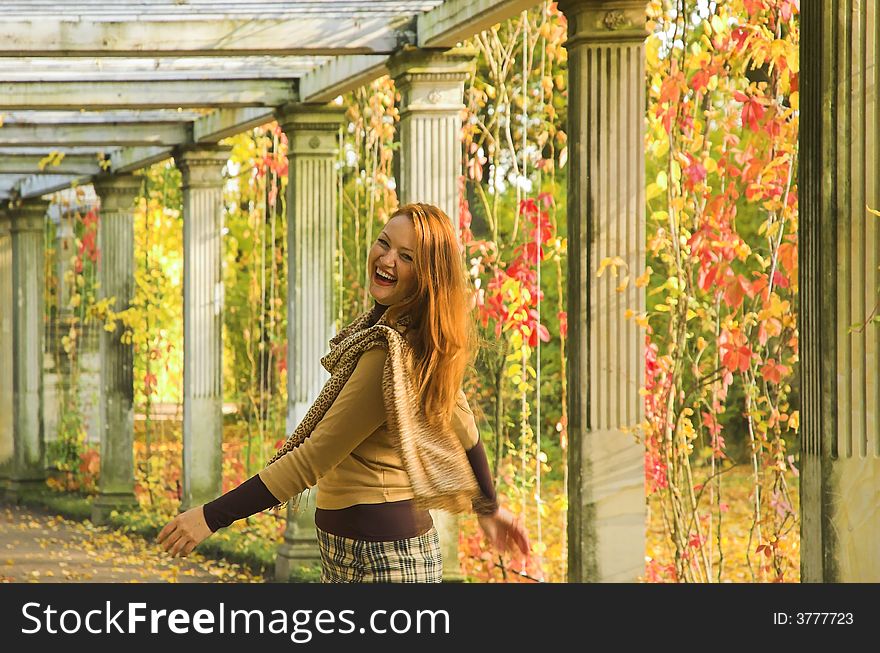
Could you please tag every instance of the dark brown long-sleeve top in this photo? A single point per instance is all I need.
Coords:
(363, 489)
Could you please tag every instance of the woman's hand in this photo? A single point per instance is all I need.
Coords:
(183, 533)
(503, 528)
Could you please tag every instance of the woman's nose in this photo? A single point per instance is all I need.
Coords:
(388, 259)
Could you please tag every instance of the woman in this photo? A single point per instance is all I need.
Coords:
(391, 433)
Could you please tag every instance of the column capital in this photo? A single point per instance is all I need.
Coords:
(311, 129)
(202, 165)
(30, 215)
(117, 191)
(591, 21)
(431, 80)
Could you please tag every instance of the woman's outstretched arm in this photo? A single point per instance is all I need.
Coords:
(356, 413)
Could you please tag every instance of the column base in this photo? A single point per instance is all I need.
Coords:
(17, 489)
(448, 528)
(104, 504)
(298, 562)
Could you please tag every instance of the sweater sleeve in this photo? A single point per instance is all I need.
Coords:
(247, 499)
(465, 427)
(357, 412)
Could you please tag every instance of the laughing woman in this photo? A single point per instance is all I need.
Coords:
(391, 434)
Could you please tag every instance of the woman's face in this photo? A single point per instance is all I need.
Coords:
(392, 255)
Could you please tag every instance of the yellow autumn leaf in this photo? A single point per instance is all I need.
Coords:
(710, 164)
(642, 279)
(652, 50)
(661, 180)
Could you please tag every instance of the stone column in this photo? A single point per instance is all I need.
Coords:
(431, 85)
(312, 136)
(7, 447)
(28, 260)
(116, 274)
(839, 281)
(606, 218)
(202, 321)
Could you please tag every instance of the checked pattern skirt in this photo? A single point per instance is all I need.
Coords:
(414, 560)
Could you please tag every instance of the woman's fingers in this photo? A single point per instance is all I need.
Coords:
(165, 532)
(180, 546)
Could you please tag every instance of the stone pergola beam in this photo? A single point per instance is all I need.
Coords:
(130, 159)
(73, 95)
(227, 122)
(76, 165)
(144, 35)
(109, 133)
(39, 185)
(340, 75)
(54, 179)
(457, 20)
(121, 69)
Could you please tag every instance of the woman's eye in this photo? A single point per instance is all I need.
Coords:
(406, 257)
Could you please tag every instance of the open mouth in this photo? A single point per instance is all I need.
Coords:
(384, 279)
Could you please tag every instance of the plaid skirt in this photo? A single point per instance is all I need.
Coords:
(414, 560)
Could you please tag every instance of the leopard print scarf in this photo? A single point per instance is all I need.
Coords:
(434, 458)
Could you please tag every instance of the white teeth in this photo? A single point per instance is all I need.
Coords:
(381, 274)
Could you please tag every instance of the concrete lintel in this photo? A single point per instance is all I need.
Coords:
(457, 20)
(141, 36)
(146, 95)
(227, 122)
(77, 164)
(340, 75)
(107, 134)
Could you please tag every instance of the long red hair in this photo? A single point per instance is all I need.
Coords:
(443, 332)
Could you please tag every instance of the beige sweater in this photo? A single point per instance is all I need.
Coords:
(350, 454)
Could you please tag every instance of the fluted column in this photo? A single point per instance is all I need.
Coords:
(312, 136)
(428, 163)
(431, 86)
(7, 446)
(116, 274)
(839, 282)
(202, 167)
(606, 218)
(28, 256)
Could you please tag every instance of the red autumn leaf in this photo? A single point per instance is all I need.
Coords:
(735, 289)
(752, 111)
(788, 257)
(700, 80)
(773, 372)
(753, 6)
(695, 173)
(737, 358)
(735, 352)
(740, 35)
(707, 276)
